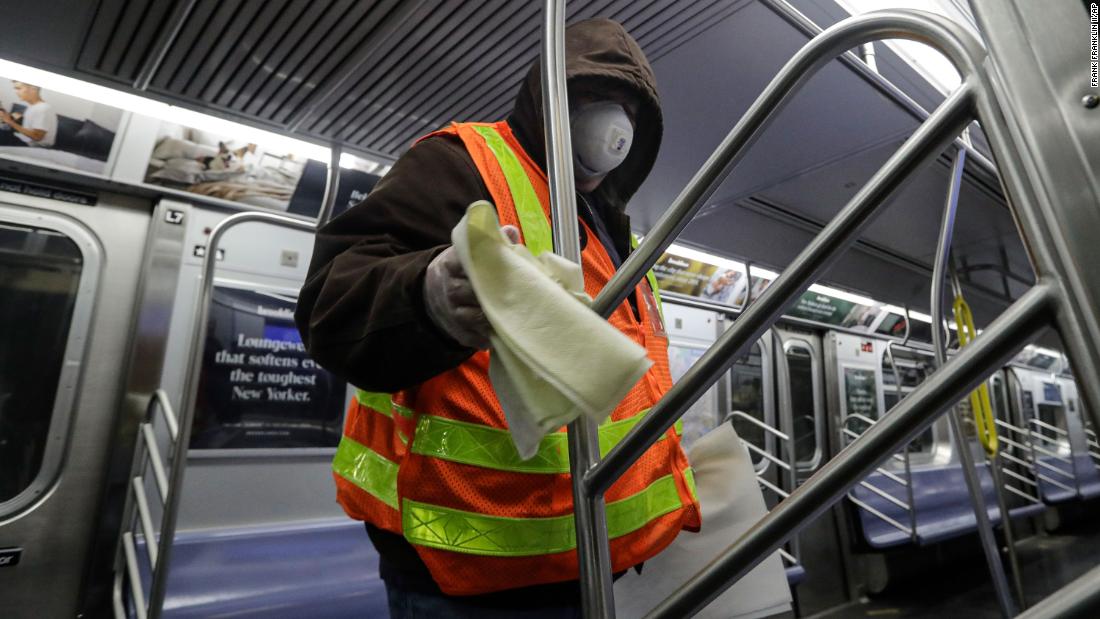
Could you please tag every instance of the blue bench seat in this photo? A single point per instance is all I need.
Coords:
(321, 571)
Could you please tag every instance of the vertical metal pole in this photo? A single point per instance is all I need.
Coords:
(901, 396)
(966, 459)
(786, 424)
(593, 551)
(332, 185)
(200, 315)
(995, 464)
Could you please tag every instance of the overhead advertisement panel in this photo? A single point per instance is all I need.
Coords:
(44, 127)
(726, 285)
(226, 167)
(258, 388)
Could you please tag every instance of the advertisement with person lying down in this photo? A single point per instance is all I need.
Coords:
(220, 166)
(44, 127)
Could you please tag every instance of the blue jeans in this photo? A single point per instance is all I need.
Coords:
(405, 604)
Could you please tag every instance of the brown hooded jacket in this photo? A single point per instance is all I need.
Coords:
(361, 312)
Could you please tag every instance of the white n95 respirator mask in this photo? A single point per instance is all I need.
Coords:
(602, 135)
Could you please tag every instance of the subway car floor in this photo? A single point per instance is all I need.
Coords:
(1047, 562)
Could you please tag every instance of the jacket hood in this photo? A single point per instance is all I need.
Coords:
(599, 54)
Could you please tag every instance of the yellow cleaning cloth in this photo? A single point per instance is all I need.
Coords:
(552, 358)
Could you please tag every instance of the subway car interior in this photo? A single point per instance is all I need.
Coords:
(874, 226)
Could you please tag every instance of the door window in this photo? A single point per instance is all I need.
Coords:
(807, 430)
(747, 396)
(40, 275)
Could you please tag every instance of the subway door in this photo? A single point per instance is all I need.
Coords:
(800, 388)
(69, 275)
(267, 420)
(853, 389)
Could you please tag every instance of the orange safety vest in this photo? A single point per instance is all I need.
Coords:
(436, 464)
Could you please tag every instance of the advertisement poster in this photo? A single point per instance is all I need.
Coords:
(258, 388)
(682, 275)
(353, 187)
(759, 285)
(861, 396)
(833, 311)
(698, 279)
(44, 127)
(220, 166)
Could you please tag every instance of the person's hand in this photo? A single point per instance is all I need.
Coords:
(6, 117)
(450, 299)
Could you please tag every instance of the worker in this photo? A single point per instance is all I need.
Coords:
(462, 525)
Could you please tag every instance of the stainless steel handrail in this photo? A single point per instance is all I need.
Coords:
(1053, 428)
(954, 417)
(1018, 325)
(763, 426)
(930, 138)
(910, 495)
(146, 452)
(1021, 442)
(910, 510)
(1056, 297)
(1036, 432)
(593, 551)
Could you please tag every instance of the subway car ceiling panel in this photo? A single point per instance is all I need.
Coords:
(374, 75)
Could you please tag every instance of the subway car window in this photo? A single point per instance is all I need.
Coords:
(1055, 415)
(39, 279)
(800, 362)
(747, 396)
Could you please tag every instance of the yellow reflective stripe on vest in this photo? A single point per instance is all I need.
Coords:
(367, 469)
(689, 479)
(532, 219)
(473, 533)
(382, 403)
(650, 277)
(488, 447)
(378, 402)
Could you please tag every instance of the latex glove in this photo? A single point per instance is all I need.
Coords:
(450, 299)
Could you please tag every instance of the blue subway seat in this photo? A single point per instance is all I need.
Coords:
(795, 574)
(1053, 493)
(1088, 477)
(320, 570)
(943, 506)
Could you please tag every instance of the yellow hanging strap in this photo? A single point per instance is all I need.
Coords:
(979, 398)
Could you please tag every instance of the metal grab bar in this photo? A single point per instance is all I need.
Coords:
(930, 138)
(1021, 442)
(763, 426)
(910, 495)
(146, 454)
(1016, 327)
(1057, 298)
(1042, 424)
(1009, 426)
(179, 431)
(910, 510)
(763, 454)
(593, 550)
(966, 460)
